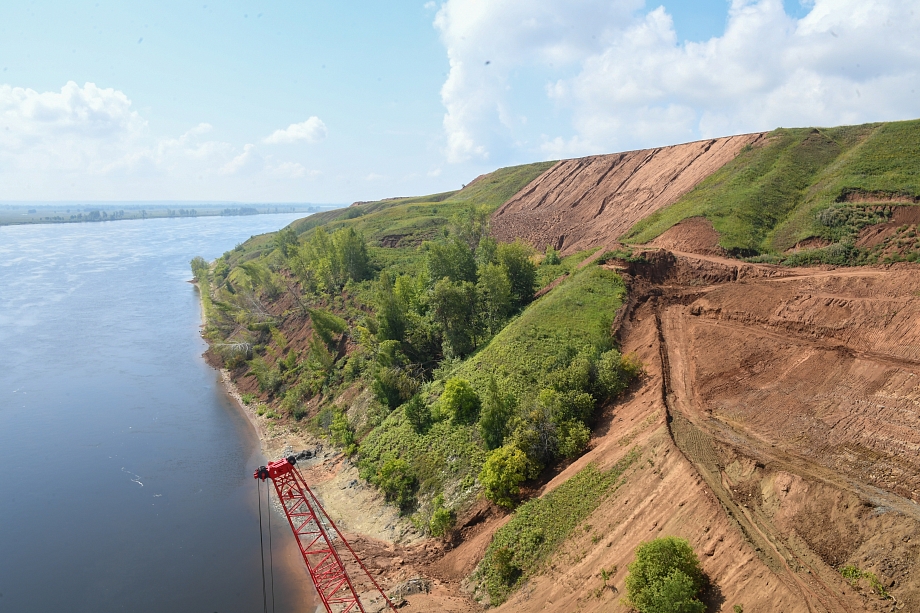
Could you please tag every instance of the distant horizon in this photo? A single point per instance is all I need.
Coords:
(40, 203)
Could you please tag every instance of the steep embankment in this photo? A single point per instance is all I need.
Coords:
(778, 419)
(842, 195)
(590, 202)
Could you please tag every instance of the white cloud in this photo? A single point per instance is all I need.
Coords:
(76, 128)
(290, 170)
(621, 78)
(374, 177)
(312, 130)
(90, 142)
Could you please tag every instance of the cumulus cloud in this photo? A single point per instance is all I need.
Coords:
(622, 79)
(89, 142)
(74, 128)
(312, 130)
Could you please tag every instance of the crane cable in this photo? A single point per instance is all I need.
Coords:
(262, 546)
(271, 557)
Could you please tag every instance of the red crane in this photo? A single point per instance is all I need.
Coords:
(317, 536)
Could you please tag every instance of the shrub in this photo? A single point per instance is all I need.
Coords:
(418, 413)
(342, 432)
(497, 409)
(397, 483)
(460, 401)
(504, 471)
(442, 519)
(551, 258)
(665, 577)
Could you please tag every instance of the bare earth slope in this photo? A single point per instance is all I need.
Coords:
(779, 423)
(589, 202)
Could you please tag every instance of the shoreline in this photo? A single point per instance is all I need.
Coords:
(358, 508)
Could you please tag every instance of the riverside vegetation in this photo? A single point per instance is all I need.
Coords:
(407, 335)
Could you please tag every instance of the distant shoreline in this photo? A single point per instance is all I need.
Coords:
(62, 214)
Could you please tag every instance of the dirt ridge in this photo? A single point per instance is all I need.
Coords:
(589, 202)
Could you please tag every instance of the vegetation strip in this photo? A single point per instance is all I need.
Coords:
(539, 526)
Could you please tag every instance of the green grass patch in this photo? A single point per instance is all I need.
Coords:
(539, 526)
(445, 456)
(574, 316)
(546, 274)
(409, 221)
(853, 574)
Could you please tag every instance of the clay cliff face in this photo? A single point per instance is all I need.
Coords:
(590, 202)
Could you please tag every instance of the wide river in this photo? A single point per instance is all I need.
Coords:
(125, 470)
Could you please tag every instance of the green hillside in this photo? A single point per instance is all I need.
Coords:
(431, 329)
(802, 183)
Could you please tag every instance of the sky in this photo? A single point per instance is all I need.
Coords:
(333, 102)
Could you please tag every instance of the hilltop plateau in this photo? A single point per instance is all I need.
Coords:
(506, 389)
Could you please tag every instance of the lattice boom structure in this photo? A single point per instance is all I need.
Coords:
(316, 536)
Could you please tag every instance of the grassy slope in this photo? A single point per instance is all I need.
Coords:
(540, 526)
(449, 456)
(767, 199)
(571, 317)
(406, 221)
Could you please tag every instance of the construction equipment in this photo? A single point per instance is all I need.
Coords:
(325, 551)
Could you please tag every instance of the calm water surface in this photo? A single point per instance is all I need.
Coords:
(125, 471)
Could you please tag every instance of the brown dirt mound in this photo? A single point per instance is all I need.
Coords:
(813, 242)
(693, 235)
(590, 202)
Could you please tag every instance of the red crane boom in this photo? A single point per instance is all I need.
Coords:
(316, 534)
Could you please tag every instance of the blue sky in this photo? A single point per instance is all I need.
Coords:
(337, 101)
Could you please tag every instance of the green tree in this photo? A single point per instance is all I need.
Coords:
(392, 313)
(418, 413)
(453, 307)
(494, 293)
(502, 474)
(497, 410)
(573, 438)
(470, 225)
(351, 256)
(326, 325)
(665, 577)
(286, 241)
(522, 274)
(460, 401)
(200, 268)
(442, 518)
(451, 259)
(342, 432)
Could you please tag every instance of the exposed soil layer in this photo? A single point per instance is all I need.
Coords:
(879, 234)
(590, 202)
(694, 235)
(778, 419)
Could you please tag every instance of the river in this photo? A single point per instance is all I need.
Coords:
(125, 469)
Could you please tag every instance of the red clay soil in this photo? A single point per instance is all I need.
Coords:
(693, 235)
(590, 202)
